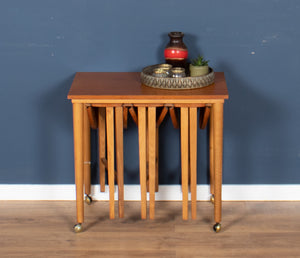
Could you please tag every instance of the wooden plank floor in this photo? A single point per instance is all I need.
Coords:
(249, 229)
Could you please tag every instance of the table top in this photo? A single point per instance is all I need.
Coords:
(127, 85)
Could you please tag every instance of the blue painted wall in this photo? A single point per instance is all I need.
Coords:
(256, 43)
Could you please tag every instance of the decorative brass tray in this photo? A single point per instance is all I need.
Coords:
(169, 83)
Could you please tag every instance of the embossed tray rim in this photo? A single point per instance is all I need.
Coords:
(170, 83)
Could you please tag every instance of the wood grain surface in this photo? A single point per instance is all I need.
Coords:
(249, 229)
(113, 85)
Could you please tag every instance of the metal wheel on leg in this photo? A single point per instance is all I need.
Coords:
(78, 228)
(212, 198)
(217, 227)
(88, 199)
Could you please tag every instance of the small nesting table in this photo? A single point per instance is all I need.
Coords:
(115, 90)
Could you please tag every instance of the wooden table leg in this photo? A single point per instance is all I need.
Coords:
(193, 159)
(102, 146)
(120, 158)
(125, 117)
(174, 117)
(204, 115)
(142, 159)
(147, 154)
(78, 159)
(92, 117)
(211, 155)
(87, 153)
(218, 158)
(152, 158)
(157, 160)
(158, 123)
(184, 159)
(133, 114)
(110, 159)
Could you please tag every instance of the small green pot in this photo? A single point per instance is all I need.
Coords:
(198, 70)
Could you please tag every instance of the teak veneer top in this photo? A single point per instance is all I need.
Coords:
(127, 85)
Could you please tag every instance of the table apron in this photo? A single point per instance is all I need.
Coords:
(147, 102)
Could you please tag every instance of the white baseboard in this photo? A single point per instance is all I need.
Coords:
(166, 192)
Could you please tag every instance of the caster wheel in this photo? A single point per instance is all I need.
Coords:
(88, 199)
(217, 227)
(78, 228)
(212, 198)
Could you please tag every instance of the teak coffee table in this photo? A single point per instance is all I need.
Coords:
(112, 92)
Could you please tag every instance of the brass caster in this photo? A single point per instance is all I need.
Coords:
(78, 228)
(88, 199)
(217, 227)
(212, 199)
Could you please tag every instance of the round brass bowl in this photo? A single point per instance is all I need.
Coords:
(169, 83)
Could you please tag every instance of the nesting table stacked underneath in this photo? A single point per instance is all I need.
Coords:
(115, 90)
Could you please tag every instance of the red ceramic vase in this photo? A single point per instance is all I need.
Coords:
(176, 52)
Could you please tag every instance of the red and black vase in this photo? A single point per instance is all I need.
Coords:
(176, 52)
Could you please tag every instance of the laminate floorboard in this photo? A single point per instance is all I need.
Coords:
(249, 229)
